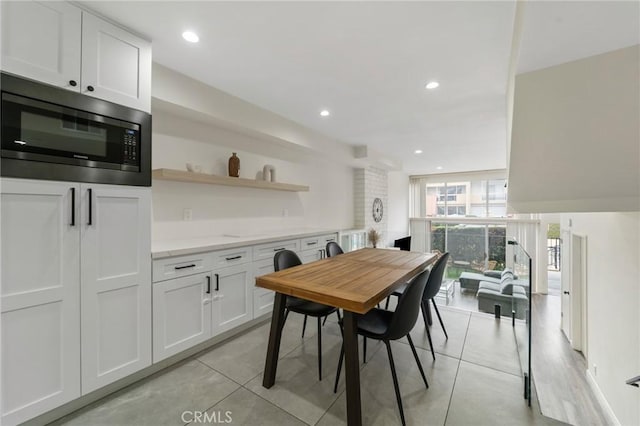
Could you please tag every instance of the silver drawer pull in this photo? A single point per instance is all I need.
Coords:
(193, 265)
(233, 258)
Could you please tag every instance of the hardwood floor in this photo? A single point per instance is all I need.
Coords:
(558, 370)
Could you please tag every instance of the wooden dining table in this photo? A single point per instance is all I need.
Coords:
(354, 282)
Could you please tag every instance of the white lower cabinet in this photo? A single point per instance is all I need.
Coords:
(314, 248)
(191, 309)
(76, 268)
(40, 298)
(262, 298)
(116, 283)
(181, 314)
(232, 297)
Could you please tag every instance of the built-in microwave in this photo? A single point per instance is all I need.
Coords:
(52, 133)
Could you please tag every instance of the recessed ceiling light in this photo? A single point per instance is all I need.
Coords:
(439, 168)
(325, 113)
(432, 85)
(418, 151)
(190, 36)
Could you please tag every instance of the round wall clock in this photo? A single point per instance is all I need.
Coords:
(377, 209)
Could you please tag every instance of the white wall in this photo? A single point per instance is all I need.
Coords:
(398, 206)
(613, 293)
(220, 209)
(575, 142)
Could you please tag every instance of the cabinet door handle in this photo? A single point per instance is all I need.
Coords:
(90, 88)
(193, 265)
(312, 243)
(217, 282)
(279, 249)
(233, 258)
(90, 192)
(73, 207)
(72, 83)
(208, 284)
(566, 292)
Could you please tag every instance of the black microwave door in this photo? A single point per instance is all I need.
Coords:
(47, 132)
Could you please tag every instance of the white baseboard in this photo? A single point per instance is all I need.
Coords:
(604, 404)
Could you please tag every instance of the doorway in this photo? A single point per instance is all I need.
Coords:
(573, 286)
(554, 260)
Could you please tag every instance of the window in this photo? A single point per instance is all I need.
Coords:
(476, 198)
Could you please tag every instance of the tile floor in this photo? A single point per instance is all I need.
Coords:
(475, 380)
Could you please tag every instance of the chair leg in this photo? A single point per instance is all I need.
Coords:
(415, 355)
(320, 348)
(325, 320)
(335, 386)
(386, 305)
(338, 314)
(426, 328)
(395, 381)
(364, 350)
(304, 325)
(439, 318)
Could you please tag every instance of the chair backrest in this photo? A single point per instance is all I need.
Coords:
(333, 249)
(403, 243)
(285, 259)
(435, 279)
(406, 313)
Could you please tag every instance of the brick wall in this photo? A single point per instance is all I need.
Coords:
(369, 184)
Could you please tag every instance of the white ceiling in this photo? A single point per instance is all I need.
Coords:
(368, 62)
(556, 32)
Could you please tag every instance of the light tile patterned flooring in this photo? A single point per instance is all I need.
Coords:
(475, 380)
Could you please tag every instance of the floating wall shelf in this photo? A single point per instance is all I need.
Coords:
(182, 176)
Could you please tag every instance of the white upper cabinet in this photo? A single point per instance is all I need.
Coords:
(116, 65)
(59, 44)
(41, 41)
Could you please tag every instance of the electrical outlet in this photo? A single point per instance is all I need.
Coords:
(187, 214)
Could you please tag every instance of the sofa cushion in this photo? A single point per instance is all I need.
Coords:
(506, 286)
(489, 285)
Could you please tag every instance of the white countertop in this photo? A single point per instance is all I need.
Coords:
(180, 247)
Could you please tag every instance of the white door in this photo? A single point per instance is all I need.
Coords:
(41, 41)
(232, 297)
(116, 65)
(565, 261)
(181, 314)
(40, 297)
(308, 256)
(262, 298)
(116, 282)
(578, 275)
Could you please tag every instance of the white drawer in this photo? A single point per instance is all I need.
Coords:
(180, 266)
(267, 251)
(231, 257)
(311, 243)
(317, 242)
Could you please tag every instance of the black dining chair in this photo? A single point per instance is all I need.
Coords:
(403, 243)
(287, 259)
(431, 290)
(380, 324)
(333, 249)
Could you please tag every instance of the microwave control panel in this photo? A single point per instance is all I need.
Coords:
(130, 144)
